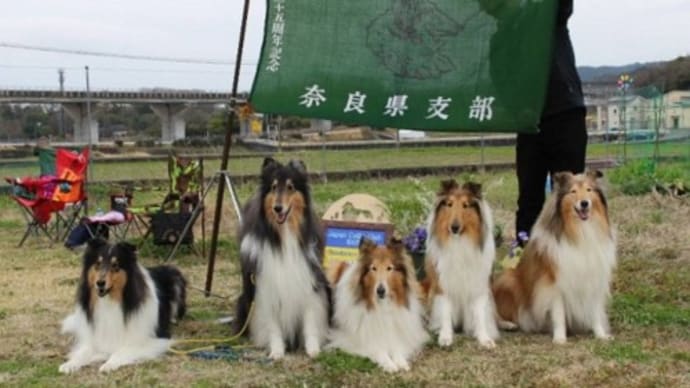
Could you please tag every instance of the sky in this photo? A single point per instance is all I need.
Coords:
(604, 32)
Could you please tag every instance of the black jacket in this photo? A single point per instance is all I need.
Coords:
(564, 88)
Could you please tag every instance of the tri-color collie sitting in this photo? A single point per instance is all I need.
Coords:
(124, 310)
(562, 280)
(378, 311)
(281, 251)
(459, 259)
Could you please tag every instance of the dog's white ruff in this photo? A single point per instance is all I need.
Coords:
(389, 334)
(285, 302)
(464, 272)
(108, 338)
(578, 298)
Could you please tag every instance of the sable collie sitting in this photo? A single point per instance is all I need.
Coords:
(459, 259)
(281, 250)
(124, 310)
(562, 279)
(378, 313)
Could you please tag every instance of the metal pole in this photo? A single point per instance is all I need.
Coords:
(89, 169)
(226, 152)
(61, 75)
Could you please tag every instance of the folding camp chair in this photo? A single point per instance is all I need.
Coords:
(62, 194)
(166, 221)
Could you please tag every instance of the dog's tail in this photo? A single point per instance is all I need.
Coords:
(244, 308)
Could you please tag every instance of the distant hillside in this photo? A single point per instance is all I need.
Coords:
(665, 76)
(601, 73)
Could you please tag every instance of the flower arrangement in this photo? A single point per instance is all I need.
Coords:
(512, 259)
(415, 242)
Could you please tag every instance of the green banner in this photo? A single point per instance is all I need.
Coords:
(448, 65)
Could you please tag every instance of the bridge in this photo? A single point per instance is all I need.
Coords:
(168, 105)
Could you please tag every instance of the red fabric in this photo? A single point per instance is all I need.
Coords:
(53, 192)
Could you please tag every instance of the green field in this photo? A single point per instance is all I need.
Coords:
(650, 309)
(357, 160)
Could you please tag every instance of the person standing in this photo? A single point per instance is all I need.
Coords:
(561, 143)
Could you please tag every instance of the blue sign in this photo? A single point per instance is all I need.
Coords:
(350, 237)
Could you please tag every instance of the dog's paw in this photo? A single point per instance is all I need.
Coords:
(388, 366)
(507, 325)
(69, 367)
(445, 339)
(487, 343)
(276, 354)
(312, 349)
(401, 363)
(560, 340)
(604, 337)
(109, 367)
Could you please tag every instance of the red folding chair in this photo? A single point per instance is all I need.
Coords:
(63, 194)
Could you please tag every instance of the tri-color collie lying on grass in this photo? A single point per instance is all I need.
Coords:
(378, 311)
(281, 251)
(562, 280)
(459, 259)
(124, 310)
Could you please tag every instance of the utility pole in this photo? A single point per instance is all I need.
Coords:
(61, 75)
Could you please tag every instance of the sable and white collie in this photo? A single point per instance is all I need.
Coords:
(281, 252)
(562, 280)
(459, 259)
(124, 310)
(378, 310)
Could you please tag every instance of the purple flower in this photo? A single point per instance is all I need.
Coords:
(415, 242)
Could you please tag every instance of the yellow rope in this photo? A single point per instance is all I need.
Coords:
(213, 340)
(227, 340)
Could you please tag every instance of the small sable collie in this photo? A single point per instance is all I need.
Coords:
(378, 312)
(281, 252)
(562, 279)
(459, 259)
(124, 310)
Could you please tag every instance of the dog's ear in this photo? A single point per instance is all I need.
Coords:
(561, 179)
(447, 186)
(395, 244)
(95, 244)
(298, 165)
(594, 174)
(126, 251)
(269, 164)
(474, 188)
(366, 246)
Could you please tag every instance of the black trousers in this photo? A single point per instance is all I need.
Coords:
(560, 145)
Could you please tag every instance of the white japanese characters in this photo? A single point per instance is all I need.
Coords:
(437, 108)
(277, 29)
(481, 108)
(355, 102)
(397, 105)
(313, 97)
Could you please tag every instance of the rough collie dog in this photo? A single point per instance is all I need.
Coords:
(378, 311)
(281, 251)
(459, 260)
(124, 310)
(562, 280)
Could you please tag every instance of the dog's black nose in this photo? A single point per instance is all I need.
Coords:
(100, 283)
(381, 291)
(278, 208)
(584, 204)
(455, 228)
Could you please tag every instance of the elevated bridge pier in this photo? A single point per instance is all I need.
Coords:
(84, 131)
(173, 125)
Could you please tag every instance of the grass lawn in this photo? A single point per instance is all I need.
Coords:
(650, 309)
(348, 160)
